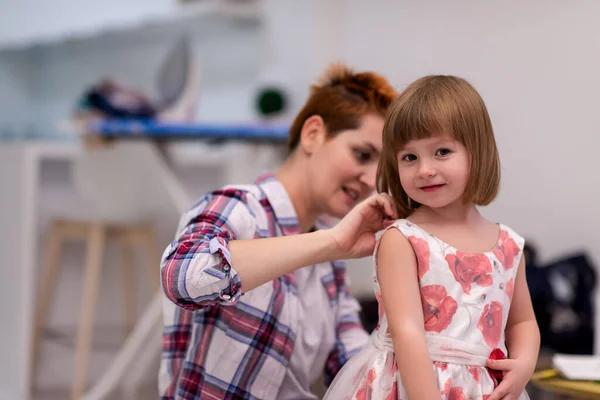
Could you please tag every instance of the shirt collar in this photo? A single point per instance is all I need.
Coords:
(280, 202)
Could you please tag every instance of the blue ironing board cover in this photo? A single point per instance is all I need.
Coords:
(118, 128)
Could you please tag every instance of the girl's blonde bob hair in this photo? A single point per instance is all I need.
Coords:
(440, 104)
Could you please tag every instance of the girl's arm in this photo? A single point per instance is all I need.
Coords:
(522, 332)
(522, 341)
(397, 274)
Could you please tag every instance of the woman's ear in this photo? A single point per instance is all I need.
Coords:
(313, 134)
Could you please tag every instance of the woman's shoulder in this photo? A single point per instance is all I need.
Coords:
(234, 203)
(226, 197)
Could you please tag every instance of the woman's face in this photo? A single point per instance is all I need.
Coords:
(343, 168)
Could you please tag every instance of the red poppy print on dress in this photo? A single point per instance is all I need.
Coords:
(456, 393)
(438, 308)
(469, 269)
(495, 374)
(490, 323)
(447, 386)
(391, 359)
(453, 392)
(510, 288)
(507, 250)
(421, 248)
(393, 393)
(366, 391)
(381, 309)
(441, 365)
(475, 372)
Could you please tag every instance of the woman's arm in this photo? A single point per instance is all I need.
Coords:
(259, 261)
(196, 267)
(397, 274)
(216, 257)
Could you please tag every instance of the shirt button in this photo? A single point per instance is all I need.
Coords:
(225, 296)
(226, 268)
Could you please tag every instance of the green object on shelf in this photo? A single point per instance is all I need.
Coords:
(271, 101)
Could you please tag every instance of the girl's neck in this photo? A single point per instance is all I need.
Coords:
(454, 214)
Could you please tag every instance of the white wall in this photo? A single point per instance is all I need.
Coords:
(15, 90)
(25, 21)
(535, 64)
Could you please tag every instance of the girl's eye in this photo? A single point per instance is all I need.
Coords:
(409, 157)
(443, 152)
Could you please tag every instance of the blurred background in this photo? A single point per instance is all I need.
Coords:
(212, 71)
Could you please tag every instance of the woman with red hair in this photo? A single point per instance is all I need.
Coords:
(257, 307)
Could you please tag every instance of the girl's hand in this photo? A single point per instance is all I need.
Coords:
(517, 373)
(354, 235)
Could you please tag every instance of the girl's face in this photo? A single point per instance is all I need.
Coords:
(434, 171)
(343, 168)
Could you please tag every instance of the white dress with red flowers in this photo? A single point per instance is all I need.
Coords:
(466, 298)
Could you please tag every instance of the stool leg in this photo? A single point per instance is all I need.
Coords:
(50, 271)
(95, 247)
(143, 366)
(131, 352)
(153, 256)
(128, 288)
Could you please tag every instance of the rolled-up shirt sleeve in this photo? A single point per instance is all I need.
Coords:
(196, 268)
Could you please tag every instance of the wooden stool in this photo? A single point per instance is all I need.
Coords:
(96, 234)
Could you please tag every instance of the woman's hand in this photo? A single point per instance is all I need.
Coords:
(354, 235)
(258, 261)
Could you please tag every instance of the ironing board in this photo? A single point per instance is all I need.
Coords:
(157, 130)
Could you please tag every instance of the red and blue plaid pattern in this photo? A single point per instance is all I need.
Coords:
(218, 344)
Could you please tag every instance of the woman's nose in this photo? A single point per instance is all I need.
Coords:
(368, 176)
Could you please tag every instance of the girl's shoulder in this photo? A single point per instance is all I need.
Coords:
(509, 237)
(415, 233)
(405, 226)
(411, 230)
(408, 229)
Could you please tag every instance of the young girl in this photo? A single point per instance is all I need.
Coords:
(450, 284)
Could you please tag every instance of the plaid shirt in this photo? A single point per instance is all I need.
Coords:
(218, 344)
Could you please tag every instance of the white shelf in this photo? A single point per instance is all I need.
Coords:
(187, 155)
(181, 15)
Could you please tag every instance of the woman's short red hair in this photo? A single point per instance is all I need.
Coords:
(342, 98)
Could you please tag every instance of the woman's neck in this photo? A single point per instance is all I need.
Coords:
(295, 182)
